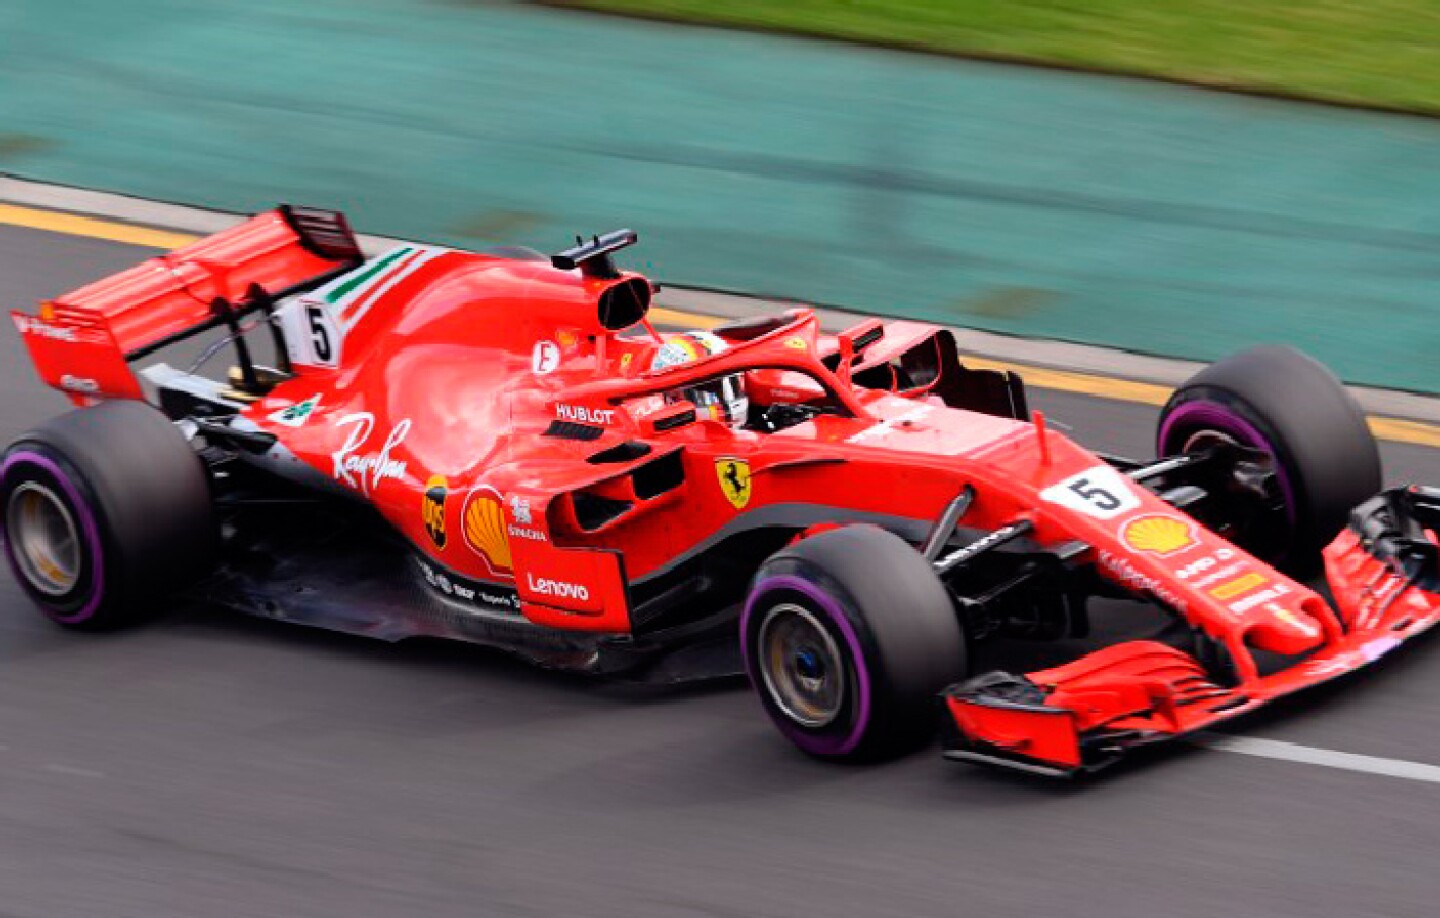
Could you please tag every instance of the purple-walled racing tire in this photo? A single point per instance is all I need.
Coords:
(103, 510)
(848, 638)
(1291, 408)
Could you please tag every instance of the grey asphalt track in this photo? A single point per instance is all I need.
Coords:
(212, 765)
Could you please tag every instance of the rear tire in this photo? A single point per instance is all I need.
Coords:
(104, 510)
(848, 638)
(1285, 404)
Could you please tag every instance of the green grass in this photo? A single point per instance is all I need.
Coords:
(1370, 52)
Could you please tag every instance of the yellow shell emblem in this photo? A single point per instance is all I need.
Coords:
(1161, 535)
(734, 475)
(484, 527)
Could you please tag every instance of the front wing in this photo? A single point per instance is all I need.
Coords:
(1384, 574)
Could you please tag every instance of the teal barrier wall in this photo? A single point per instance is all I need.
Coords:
(1104, 210)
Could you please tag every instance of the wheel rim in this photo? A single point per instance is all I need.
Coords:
(1206, 421)
(1205, 437)
(1197, 425)
(44, 539)
(801, 666)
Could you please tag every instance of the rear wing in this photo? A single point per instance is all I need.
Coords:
(83, 342)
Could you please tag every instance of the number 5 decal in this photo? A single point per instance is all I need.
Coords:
(1100, 492)
(322, 333)
(311, 334)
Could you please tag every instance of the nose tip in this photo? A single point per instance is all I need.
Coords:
(1288, 631)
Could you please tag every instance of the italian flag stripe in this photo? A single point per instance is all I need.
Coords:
(367, 273)
(358, 306)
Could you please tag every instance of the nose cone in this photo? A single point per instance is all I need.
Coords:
(1286, 630)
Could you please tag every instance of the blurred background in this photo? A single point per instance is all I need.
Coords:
(1035, 201)
(208, 764)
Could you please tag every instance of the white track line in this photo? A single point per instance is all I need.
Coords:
(72, 771)
(1308, 755)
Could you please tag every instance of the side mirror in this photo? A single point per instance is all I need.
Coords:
(855, 339)
(858, 337)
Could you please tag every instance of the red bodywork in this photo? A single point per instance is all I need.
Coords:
(1140, 692)
(472, 395)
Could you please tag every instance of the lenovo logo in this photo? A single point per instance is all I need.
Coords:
(557, 588)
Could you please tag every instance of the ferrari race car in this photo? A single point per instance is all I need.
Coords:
(500, 448)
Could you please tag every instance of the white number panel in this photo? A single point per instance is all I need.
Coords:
(1100, 492)
(312, 335)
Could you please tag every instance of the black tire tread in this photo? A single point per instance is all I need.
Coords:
(1316, 426)
(899, 608)
(151, 495)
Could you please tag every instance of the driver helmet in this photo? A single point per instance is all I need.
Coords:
(720, 399)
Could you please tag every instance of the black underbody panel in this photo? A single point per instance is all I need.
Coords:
(330, 568)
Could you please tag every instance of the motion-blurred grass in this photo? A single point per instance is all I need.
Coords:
(1371, 52)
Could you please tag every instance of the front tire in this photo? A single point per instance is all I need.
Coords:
(104, 510)
(1291, 408)
(848, 638)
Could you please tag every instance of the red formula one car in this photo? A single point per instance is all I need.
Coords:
(499, 448)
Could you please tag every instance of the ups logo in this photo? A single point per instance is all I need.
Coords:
(432, 508)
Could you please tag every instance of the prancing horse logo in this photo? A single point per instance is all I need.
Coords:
(734, 477)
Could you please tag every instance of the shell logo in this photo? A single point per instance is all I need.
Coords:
(1157, 534)
(483, 525)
